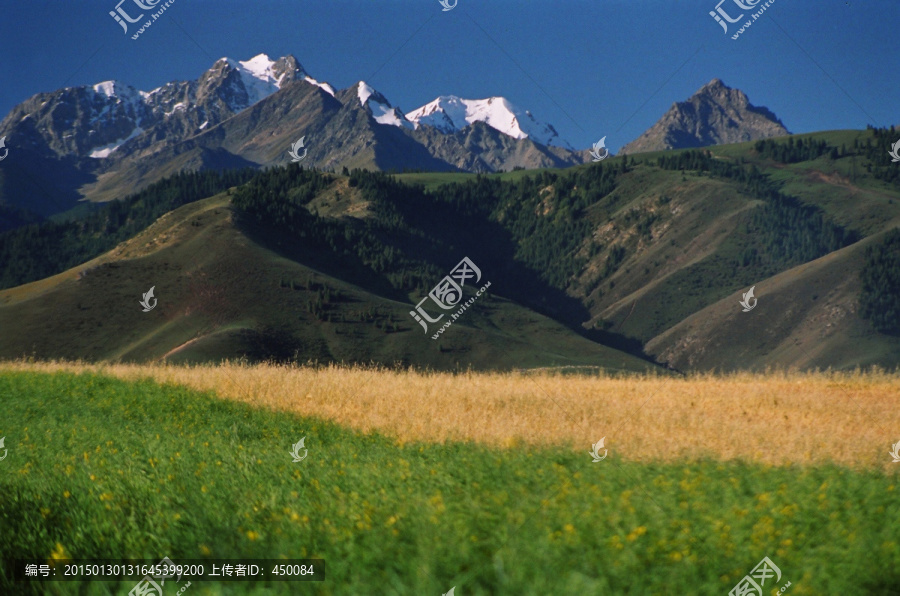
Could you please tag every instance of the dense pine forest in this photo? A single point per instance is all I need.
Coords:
(879, 299)
(794, 152)
(881, 165)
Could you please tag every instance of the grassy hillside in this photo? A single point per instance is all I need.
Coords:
(671, 241)
(808, 316)
(677, 289)
(222, 295)
(107, 468)
(640, 254)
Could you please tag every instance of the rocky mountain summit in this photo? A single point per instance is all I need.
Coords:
(715, 115)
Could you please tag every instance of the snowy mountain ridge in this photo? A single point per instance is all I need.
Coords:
(449, 113)
(238, 113)
(382, 110)
(259, 75)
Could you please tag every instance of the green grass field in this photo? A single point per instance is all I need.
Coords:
(104, 468)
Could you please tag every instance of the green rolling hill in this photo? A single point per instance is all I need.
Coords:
(222, 295)
(611, 264)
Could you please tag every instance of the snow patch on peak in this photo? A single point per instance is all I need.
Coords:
(176, 108)
(105, 150)
(107, 88)
(385, 114)
(260, 65)
(382, 111)
(118, 91)
(324, 86)
(364, 92)
(449, 113)
(258, 76)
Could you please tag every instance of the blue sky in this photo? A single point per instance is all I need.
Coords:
(591, 68)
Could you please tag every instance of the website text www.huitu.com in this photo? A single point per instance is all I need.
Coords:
(462, 309)
(153, 16)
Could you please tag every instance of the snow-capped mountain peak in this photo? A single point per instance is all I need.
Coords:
(261, 67)
(364, 92)
(117, 114)
(120, 124)
(261, 76)
(116, 90)
(382, 110)
(449, 113)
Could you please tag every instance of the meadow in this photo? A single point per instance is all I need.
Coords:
(418, 482)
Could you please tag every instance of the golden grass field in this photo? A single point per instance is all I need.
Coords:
(850, 419)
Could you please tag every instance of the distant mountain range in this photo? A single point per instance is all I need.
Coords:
(715, 115)
(105, 141)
